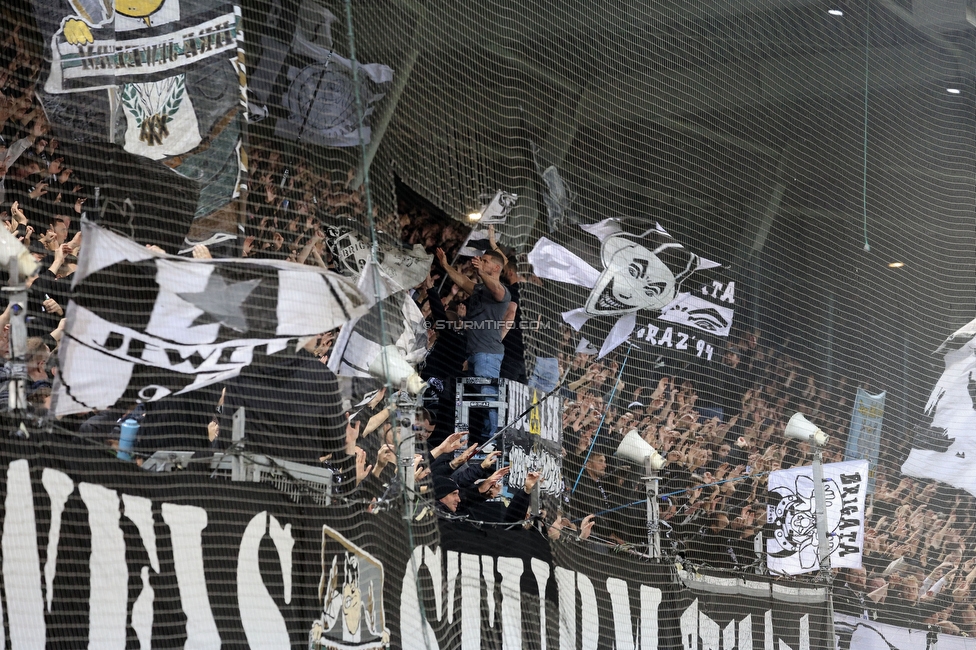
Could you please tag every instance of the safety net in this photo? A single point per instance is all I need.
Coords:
(353, 325)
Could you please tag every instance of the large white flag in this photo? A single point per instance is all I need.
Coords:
(793, 546)
(143, 325)
(946, 450)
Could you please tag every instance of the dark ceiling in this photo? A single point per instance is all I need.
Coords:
(772, 135)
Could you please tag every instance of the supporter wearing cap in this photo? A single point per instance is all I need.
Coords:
(446, 494)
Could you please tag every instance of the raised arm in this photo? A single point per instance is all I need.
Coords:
(490, 277)
(462, 281)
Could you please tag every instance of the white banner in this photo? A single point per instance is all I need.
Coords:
(860, 634)
(793, 546)
(944, 451)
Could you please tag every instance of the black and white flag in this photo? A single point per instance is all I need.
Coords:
(946, 450)
(644, 273)
(142, 325)
(399, 268)
(557, 195)
(321, 86)
(477, 244)
(387, 342)
(792, 545)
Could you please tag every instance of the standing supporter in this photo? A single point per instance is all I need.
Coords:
(593, 496)
(444, 361)
(513, 365)
(485, 314)
(447, 495)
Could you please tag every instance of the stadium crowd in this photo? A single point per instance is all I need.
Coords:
(720, 428)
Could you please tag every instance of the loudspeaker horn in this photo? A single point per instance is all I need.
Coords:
(800, 428)
(397, 370)
(637, 450)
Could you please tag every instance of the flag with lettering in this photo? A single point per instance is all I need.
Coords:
(143, 325)
(792, 545)
(628, 279)
(158, 91)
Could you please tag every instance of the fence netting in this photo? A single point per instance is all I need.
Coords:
(433, 324)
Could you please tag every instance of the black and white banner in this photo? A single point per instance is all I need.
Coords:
(159, 88)
(648, 287)
(534, 443)
(793, 546)
(946, 450)
(142, 325)
(100, 553)
(320, 88)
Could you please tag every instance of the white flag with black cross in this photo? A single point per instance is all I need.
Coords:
(143, 325)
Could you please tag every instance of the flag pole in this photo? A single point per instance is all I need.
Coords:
(823, 548)
(454, 260)
(606, 409)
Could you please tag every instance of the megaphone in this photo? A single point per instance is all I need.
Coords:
(11, 247)
(802, 429)
(635, 449)
(397, 370)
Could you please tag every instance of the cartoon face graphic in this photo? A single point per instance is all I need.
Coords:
(138, 8)
(351, 594)
(352, 597)
(633, 278)
(794, 517)
(690, 310)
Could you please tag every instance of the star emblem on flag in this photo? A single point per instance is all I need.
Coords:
(221, 302)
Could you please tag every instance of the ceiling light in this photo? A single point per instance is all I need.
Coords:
(896, 265)
(474, 216)
(835, 12)
(953, 91)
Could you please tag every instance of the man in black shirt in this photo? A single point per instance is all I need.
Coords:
(513, 365)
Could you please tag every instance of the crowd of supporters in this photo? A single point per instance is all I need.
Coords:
(721, 434)
(720, 428)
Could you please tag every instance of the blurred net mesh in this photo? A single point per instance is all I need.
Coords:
(792, 153)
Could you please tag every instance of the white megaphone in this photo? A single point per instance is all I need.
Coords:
(13, 248)
(802, 429)
(637, 450)
(396, 370)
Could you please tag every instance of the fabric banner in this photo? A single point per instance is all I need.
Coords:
(98, 549)
(946, 450)
(174, 69)
(320, 95)
(534, 443)
(864, 438)
(144, 326)
(860, 634)
(634, 282)
(752, 612)
(793, 546)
